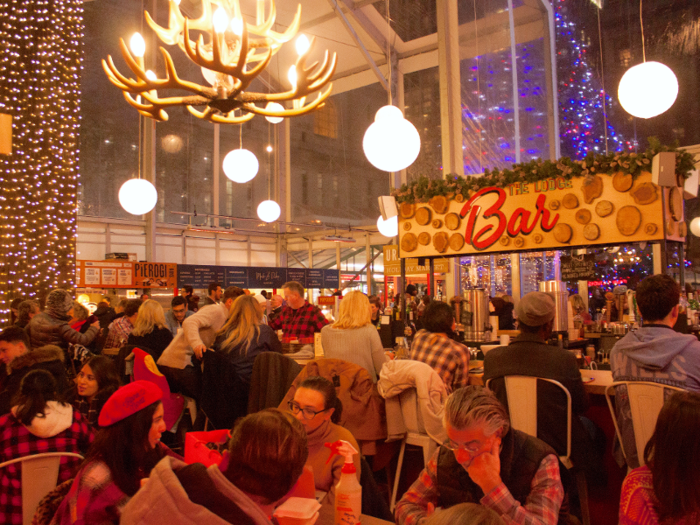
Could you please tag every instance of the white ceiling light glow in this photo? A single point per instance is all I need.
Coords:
(138, 196)
(241, 165)
(648, 89)
(269, 211)
(389, 227)
(391, 143)
(695, 226)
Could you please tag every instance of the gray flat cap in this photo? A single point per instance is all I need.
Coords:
(535, 309)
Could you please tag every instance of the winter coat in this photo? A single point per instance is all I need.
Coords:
(44, 330)
(61, 429)
(180, 494)
(49, 358)
(653, 353)
(431, 394)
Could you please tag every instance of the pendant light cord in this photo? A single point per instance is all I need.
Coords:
(240, 135)
(478, 87)
(641, 23)
(388, 50)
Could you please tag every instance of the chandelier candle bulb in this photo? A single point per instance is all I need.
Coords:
(137, 45)
(220, 20)
(237, 26)
(302, 44)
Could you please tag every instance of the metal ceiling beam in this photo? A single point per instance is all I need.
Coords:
(353, 34)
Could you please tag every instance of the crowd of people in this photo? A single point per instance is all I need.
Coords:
(58, 394)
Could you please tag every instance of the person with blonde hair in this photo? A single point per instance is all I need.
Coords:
(151, 332)
(353, 337)
(243, 337)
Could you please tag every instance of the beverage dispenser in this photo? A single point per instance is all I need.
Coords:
(475, 314)
(557, 290)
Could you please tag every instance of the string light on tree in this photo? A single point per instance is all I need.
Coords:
(40, 85)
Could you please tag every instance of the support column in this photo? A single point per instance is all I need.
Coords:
(550, 72)
(368, 249)
(148, 171)
(515, 277)
(514, 75)
(453, 279)
(287, 208)
(659, 257)
(450, 87)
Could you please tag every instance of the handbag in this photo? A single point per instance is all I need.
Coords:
(205, 447)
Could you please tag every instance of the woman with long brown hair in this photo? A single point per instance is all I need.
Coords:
(244, 336)
(667, 489)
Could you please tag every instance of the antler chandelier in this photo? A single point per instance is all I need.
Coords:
(232, 56)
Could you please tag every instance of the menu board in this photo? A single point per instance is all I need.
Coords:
(261, 277)
(199, 276)
(331, 279)
(105, 274)
(237, 276)
(578, 267)
(298, 275)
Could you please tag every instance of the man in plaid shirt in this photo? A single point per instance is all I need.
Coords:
(432, 346)
(484, 461)
(120, 328)
(299, 319)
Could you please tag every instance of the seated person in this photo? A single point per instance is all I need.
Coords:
(654, 353)
(198, 333)
(244, 336)
(316, 406)
(20, 359)
(97, 380)
(299, 319)
(465, 514)
(485, 461)
(432, 345)
(39, 422)
(353, 337)
(150, 332)
(121, 327)
(267, 452)
(126, 449)
(667, 488)
(177, 314)
(530, 355)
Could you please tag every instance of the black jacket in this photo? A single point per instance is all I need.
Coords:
(153, 342)
(49, 358)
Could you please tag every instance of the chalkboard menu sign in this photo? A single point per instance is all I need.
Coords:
(578, 268)
(199, 276)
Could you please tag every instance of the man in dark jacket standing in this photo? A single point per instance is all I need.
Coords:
(51, 327)
(530, 355)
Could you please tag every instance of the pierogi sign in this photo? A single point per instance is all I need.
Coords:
(548, 214)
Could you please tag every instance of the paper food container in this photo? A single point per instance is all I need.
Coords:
(298, 511)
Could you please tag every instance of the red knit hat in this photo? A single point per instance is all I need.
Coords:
(127, 401)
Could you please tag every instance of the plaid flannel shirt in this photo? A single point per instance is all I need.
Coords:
(541, 506)
(301, 323)
(16, 441)
(447, 357)
(119, 331)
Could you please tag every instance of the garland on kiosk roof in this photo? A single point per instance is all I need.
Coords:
(424, 188)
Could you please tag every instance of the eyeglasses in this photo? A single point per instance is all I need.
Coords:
(306, 413)
(454, 447)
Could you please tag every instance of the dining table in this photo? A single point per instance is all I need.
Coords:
(326, 516)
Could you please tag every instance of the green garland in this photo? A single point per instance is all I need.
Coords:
(424, 188)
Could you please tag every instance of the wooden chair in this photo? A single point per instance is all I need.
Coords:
(39, 477)
(522, 406)
(646, 399)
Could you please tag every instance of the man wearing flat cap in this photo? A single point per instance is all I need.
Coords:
(530, 355)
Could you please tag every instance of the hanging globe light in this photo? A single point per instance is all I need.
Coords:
(647, 89)
(695, 226)
(138, 196)
(240, 165)
(274, 106)
(389, 227)
(391, 143)
(269, 211)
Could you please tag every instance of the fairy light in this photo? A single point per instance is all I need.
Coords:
(40, 83)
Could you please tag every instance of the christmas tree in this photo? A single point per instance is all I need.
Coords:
(583, 118)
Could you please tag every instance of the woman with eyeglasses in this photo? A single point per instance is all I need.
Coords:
(317, 407)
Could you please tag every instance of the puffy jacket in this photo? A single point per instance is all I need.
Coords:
(44, 330)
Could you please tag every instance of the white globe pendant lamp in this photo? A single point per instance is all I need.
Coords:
(391, 143)
(695, 226)
(241, 165)
(389, 227)
(138, 196)
(274, 106)
(647, 89)
(269, 211)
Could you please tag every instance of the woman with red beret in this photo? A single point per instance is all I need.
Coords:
(124, 452)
